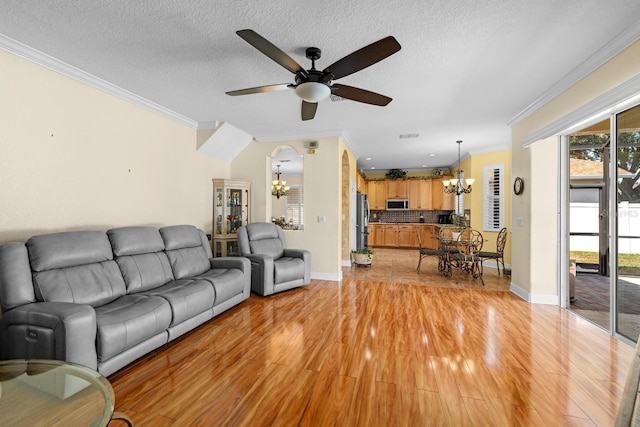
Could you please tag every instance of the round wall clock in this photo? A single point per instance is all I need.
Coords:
(518, 186)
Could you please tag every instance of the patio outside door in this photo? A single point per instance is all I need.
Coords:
(627, 222)
(589, 254)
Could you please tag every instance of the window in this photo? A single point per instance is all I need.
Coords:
(493, 197)
(294, 206)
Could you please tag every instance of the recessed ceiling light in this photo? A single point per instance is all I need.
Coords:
(373, 167)
(408, 135)
(432, 154)
(424, 166)
(367, 158)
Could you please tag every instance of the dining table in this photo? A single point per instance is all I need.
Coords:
(459, 249)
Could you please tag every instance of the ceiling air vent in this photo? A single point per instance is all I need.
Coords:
(408, 135)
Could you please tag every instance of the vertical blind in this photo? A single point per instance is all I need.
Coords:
(493, 198)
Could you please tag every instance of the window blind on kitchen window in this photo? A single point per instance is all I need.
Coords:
(294, 205)
(493, 197)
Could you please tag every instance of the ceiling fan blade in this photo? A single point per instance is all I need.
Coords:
(309, 110)
(271, 50)
(259, 89)
(363, 58)
(360, 95)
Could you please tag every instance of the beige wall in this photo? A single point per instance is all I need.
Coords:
(74, 157)
(473, 168)
(535, 261)
(322, 195)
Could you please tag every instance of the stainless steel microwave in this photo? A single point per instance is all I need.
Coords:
(397, 204)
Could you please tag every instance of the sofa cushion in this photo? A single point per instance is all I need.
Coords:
(227, 282)
(128, 321)
(135, 240)
(74, 266)
(180, 236)
(286, 269)
(16, 287)
(264, 239)
(187, 298)
(145, 271)
(68, 249)
(93, 284)
(184, 248)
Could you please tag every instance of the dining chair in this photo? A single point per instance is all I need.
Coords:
(469, 246)
(425, 252)
(498, 255)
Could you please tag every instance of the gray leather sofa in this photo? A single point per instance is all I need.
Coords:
(274, 267)
(103, 300)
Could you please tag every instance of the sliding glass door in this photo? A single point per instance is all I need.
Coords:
(588, 219)
(603, 223)
(627, 234)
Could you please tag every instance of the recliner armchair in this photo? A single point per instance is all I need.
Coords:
(274, 268)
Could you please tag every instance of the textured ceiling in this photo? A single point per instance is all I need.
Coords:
(465, 68)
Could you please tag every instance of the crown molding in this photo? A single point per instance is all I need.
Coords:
(19, 49)
(622, 41)
(617, 99)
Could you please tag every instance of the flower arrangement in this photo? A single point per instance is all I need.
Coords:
(458, 221)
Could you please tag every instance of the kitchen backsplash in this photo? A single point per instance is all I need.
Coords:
(430, 217)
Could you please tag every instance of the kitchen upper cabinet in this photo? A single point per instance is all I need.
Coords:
(361, 183)
(396, 189)
(420, 194)
(376, 190)
(441, 201)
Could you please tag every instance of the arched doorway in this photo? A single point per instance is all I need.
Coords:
(345, 198)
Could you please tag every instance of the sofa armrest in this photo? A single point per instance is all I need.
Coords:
(305, 255)
(262, 273)
(50, 330)
(241, 263)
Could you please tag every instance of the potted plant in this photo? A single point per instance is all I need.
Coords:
(362, 256)
(459, 224)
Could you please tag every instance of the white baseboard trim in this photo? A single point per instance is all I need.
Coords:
(333, 277)
(346, 263)
(545, 299)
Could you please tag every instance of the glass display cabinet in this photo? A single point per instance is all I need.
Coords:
(231, 208)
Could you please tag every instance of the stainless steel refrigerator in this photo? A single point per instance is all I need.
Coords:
(362, 221)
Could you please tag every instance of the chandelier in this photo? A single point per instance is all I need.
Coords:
(279, 188)
(455, 185)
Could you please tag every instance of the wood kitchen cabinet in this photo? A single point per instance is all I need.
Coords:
(377, 192)
(375, 235)
(420, 194)
(396, 189)
(390, 235)
(361, 183)
(406, 236)
(441, 201)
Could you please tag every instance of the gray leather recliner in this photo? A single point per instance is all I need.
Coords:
(274, 268)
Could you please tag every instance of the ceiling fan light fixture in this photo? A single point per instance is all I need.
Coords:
(313, 92)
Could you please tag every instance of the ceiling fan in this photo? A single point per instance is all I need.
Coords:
(314, 85)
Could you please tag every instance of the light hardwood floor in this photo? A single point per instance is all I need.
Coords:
(386, 346)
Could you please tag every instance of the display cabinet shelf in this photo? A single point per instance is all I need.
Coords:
(231, 210)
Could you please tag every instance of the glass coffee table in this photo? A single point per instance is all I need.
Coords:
(53, 392)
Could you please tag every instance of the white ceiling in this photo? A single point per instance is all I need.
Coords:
(466, 68)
